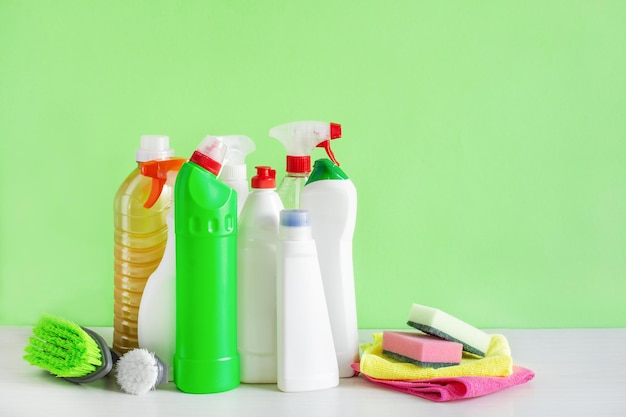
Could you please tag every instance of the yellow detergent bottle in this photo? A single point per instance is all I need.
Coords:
(139, 240)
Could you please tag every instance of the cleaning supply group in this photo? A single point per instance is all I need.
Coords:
(217, 284)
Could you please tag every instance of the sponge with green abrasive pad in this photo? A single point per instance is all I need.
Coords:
(437, 323)
(421, 349)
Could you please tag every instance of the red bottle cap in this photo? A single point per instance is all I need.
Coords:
(265, 177)
(299, 163)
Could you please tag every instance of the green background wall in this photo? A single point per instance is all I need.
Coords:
(487, 141)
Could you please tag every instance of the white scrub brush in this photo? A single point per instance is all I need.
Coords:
(139, 371)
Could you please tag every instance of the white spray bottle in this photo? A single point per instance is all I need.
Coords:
(331, 198)
(256, 279)
(305, 349)
(156, 322)
(234, 171)
(299, 139)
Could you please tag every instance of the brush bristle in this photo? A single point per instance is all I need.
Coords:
(62, 348)
(137, 371)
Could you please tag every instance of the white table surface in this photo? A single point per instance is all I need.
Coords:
(579, 372)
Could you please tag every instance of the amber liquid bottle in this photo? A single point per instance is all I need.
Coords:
(139, 241)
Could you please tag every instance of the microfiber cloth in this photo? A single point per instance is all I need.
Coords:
(455, 388)
(497, 362)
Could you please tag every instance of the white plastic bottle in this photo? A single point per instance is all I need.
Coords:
(256, 279)
(305, 349)
(299, 139)
(234, 171)
(331, 198)
(156, 321)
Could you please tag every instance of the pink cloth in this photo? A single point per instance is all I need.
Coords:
(450, 389)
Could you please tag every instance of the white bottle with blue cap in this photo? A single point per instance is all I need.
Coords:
(305, 349)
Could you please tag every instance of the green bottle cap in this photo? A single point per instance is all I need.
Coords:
(325, 169)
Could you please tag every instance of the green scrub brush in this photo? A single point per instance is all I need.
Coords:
(69, 351)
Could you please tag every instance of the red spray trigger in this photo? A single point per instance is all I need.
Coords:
(329, 152)
(157, 170)
(335, 132)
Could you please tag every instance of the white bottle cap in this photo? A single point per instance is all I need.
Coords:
(154, 147)
(234, 172)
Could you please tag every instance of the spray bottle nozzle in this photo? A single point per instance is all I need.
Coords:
(157, 170)
(300, 138)
(335, 132)
(234, 168)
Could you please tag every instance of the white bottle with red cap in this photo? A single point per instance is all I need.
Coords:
(299, 139)
(256, 279)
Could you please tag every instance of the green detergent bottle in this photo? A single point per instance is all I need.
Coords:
(206, 358)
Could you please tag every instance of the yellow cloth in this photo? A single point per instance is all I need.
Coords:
(497, 362)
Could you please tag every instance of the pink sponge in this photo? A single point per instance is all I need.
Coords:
(422, 350)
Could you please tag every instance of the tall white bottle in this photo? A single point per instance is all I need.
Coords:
(234, 171)
(306, 353)
(331, 198)
(156, 321)
(256, 279)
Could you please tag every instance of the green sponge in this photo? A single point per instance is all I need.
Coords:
(437, 323)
